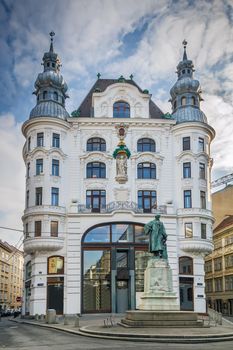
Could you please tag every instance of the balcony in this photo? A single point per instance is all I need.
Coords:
(195, 212)
(119, 206)
(45, 209)
(196, 245)
(43, 243)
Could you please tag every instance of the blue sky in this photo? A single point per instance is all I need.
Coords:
(112, 37)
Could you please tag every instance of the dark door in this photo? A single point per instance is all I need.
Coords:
(186, 293)
(122, 281)
(55, 293)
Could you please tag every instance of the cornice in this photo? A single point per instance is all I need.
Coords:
(45, 121)
(195, 125)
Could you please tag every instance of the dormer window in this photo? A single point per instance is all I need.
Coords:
(121, 109)
(174, 105)
(47, 64)
(193, 100)
(183, 71)
(53, 65)
(55, 96)
(45, 95)
(183, 101)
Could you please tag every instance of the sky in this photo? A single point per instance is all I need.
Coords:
(113, 37)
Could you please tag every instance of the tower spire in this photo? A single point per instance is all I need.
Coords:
(51, 38)
(185, 58)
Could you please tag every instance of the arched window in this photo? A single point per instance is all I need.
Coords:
(121, 109)
(193, 100)
(28, 272)
(96, 144)
(183, 101)
(45, 95)
(185, 265)
(56, 265)
(146, 170)
(146, 145)
(96, 169)
(55, 96)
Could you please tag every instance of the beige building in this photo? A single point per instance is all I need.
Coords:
(11, 277)
(219, 264)
(222, 204)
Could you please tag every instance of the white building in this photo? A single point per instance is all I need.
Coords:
(84, 216)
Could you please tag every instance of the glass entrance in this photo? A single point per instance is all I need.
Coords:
(186, 293)
(110, 270)
(55, 292)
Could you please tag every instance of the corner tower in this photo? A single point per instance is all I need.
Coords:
(192, 136)
(45, 159)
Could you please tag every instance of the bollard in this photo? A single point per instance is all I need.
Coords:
(51, 316)
(76, 321)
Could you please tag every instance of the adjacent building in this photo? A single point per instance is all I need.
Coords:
(95, 177)
(11, 277)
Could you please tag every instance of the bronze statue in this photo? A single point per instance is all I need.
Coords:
(157, 238)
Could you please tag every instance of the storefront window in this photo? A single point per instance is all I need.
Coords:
(122, 232)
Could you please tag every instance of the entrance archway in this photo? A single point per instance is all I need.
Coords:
(114, 257)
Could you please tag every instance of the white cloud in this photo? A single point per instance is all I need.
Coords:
(12, 177)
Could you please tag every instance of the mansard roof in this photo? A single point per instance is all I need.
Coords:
(101, 85)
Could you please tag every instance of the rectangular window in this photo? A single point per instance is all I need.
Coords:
(201, 144)
(54, 228)
(187, 199)
(229, 282)
(39, 166)
(55, 196)
(218, 284)
(186, 143)
(29, 144)
(56, 140)
(218, 264)
(37, 228)
(188, 230)
(147, 200)
(40, 139)
(203, 231)
(229, 261)
(27, 199)
(203, 199)
(208, 266)
(202, 171)
(186, 170)
(96, 200)
(38, 200)
(209, 286)
(55, 167)
(28, 170)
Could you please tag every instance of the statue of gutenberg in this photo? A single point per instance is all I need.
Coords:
(157, 238)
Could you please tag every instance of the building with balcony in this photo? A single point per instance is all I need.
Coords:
(95, 177)
(11, 276)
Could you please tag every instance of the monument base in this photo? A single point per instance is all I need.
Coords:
(158, 292)
(139, 318)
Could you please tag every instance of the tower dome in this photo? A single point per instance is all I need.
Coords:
(50, 88)
(186, 93)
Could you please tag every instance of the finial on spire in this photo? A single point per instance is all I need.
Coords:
(98, 75)
(51, 38)
(131, 76)
(185, 54)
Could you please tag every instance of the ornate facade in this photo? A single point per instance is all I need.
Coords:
(96, 177)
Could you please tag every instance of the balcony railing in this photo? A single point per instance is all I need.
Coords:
(121, 205)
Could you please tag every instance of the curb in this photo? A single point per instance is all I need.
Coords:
(189, 339)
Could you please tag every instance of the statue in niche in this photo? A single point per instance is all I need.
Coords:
(157, 238)
(121, 163)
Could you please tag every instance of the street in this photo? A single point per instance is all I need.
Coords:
(23, 336)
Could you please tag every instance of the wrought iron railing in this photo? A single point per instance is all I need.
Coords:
(121, 205)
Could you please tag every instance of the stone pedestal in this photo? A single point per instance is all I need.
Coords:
(158, 292)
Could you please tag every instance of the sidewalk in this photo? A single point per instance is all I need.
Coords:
(106, 326)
